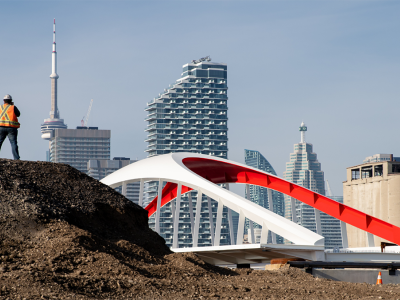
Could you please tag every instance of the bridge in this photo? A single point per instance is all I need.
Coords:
(184, 172)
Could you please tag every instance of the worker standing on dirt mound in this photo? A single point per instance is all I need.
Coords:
(9, 124)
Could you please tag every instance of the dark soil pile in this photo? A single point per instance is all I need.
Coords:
(64, 235)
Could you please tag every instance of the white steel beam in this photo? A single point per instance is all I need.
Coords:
(124, 188)
(210, 216)
(343, 230)
(218, 224)
(230, 222)
(175, 243)
(240, 232)
(141, 189)
(191, 211)
(160, 182)
(293, 209)
(250, 233)
(195, 232)
(264, 235)
(318, 221)
(271, 208)
(370, 239)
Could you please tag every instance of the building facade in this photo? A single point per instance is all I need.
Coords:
(373, 188)
(76, 147)
(262, 195)
(305, 170)
(190, 116)
(100, 168)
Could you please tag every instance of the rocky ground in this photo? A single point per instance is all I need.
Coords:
(64, 235)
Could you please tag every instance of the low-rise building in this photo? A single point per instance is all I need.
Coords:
(373, 188)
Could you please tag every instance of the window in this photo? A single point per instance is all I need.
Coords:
(396, 168)
(378, 170)
(366, 172)
(355, 174)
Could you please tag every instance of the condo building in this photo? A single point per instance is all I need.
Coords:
(100, 168)
(190, 115)
(373, 188)
(264, 197)
(305, 170)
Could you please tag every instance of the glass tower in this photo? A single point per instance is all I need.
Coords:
(190, 116)
(260, 195)
(305, 170)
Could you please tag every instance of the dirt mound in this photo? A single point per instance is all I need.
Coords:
(64, 235)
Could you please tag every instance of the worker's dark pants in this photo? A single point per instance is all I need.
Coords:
(12, 134)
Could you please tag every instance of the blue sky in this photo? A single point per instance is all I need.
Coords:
(332, 64)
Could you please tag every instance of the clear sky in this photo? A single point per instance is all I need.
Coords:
(332, 64)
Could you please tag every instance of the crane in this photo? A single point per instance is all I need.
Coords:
(84, 121)
(328, 189)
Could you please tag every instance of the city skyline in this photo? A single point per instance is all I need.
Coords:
(332, 73)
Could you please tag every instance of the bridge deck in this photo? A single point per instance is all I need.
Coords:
(254, 253)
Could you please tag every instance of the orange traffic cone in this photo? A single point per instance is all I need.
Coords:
(379, 280)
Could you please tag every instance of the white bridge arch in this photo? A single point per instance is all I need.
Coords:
(171, 168)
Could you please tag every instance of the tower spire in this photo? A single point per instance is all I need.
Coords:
(54, 114)
(303, 129)
(54, 121)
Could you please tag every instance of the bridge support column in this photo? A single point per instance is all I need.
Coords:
(271, 208)
(175, 243)
(239, 239)
(343, 230)
(124, 188)
(230, 222)
(250, 235)
(318, 221)
(293, 209)
(195, 232)
(160, 182)
(210, 216)
(191, 211)
(264, 234)
(141, 189)
(370, 239)
(218, 223)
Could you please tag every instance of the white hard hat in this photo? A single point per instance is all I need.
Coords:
(7, 97)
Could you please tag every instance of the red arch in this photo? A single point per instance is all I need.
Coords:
(222, 172)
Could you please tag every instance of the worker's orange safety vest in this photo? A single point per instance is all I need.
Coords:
(7, 116)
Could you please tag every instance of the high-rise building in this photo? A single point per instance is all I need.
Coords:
(373, 188)
(261, 195)
(100, 168)
(54, 122)
(76, 147)
(305, 170)
(190, 116)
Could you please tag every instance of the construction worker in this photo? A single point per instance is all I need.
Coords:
(9, 124)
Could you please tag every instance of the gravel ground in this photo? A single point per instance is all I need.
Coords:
(64, 235)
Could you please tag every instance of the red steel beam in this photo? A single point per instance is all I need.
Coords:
(221, 172)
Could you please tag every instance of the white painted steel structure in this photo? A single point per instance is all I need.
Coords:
(170, 168)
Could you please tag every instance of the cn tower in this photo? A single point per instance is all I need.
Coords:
(54, 122)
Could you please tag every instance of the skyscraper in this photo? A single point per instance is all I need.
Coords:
(190, 116)
(261, 195)
(54, 122)
(305, 170)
